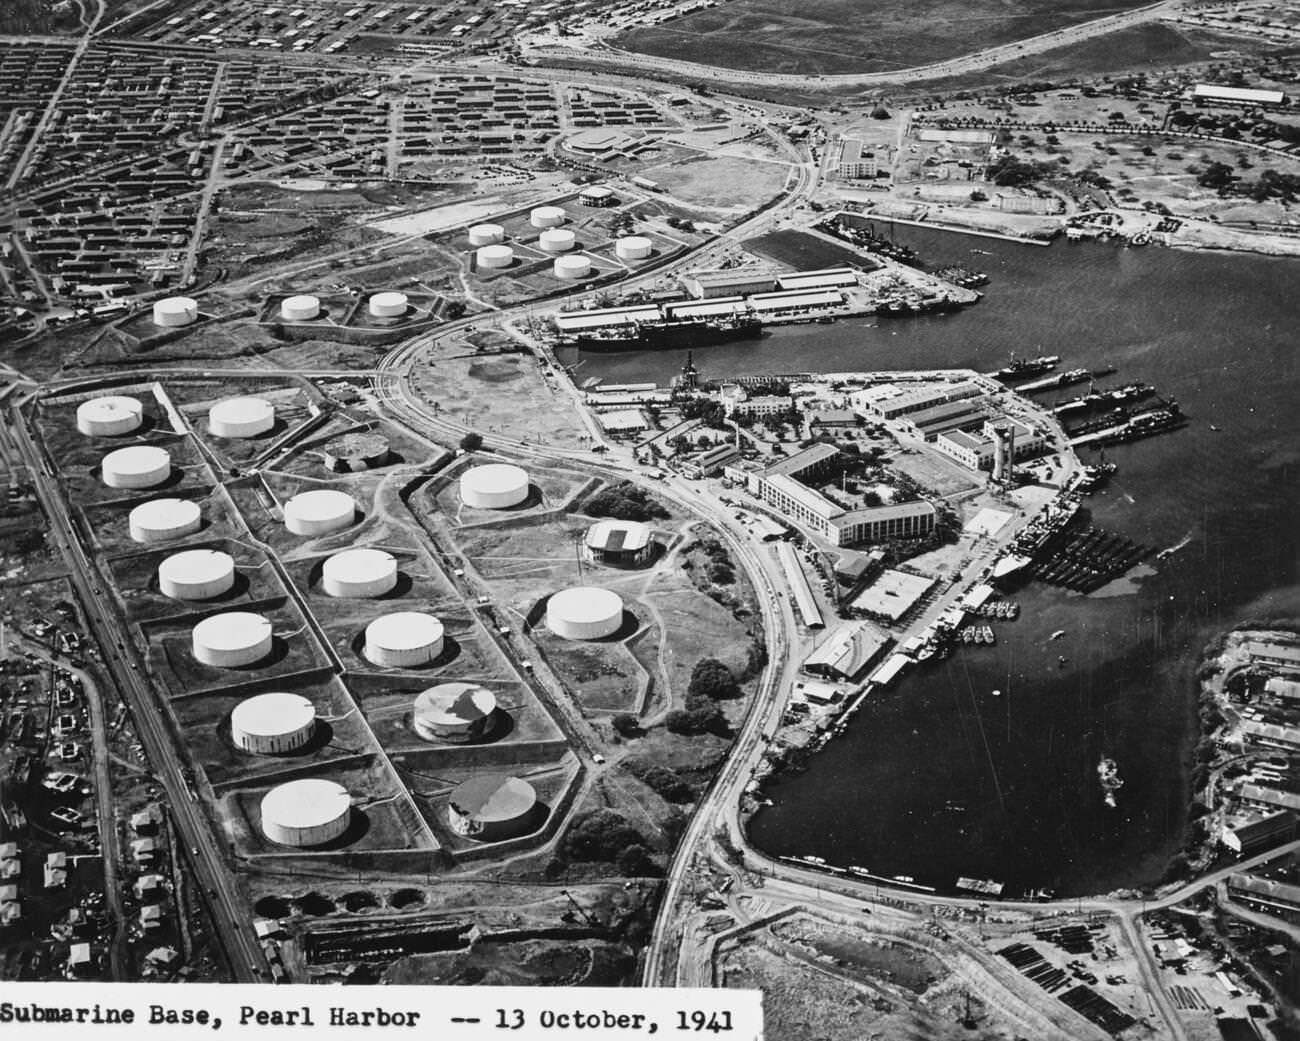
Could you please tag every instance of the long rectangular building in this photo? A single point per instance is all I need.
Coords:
(797, 580)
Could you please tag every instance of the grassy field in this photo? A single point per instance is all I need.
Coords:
(838, 36)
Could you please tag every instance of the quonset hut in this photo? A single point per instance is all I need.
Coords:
(308, 812)
(273, 724)
(492, 808)
(456, 712)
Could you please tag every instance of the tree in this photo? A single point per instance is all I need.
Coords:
(712, 679)
(634, 861)
(626, 725)
(880, 112)
(1217, 176)
(700, 716)
(599, 835)
(471, 442)
(624, 501)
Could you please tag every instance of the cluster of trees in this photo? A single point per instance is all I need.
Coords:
(606, 835)
(1270, 184)
(719, 569)
(662, 780)
(1010, 172)
(471, 442)
(711, 682)
(625, 501)
(710, 412)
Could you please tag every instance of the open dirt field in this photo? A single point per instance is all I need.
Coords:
(839, 36)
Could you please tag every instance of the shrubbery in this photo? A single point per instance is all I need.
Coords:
(625, 501)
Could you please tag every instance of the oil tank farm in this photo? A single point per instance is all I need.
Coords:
(486, 234)
(110, 416)
(139, 466)
(308, 812)
(388, 305)
(584, 613)
(197, 574)
(273, 724)
(241, 417)
(557, 240)
(175, 312)
(633, 247)
(303, 308)
(494, 486)
(455, 712)
(492, 808)
(403, 640)
(360, 573)
(352, 453)
(233, 639)
(547, 217)
(494, 257)
(619, 543)
(319, 512)
(164, 519)
(570, 268)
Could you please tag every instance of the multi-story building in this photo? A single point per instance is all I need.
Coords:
(857, 162)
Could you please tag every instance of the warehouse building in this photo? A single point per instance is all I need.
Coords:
(847, 651)
(826, 278)
(890, 401)
(1245, 838)
(619, 543)
(1214, 94)
(708, 285)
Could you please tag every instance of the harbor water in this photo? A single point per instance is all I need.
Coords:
(939, 777)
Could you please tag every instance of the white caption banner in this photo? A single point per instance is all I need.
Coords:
(166, 1012)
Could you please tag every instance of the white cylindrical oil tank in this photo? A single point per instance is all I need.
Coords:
(308, 812)
(241, 417)
(633, 247)
(139, 466)
(547, 217)
(492, 807)
(109, 416)
(272, 724)
(457, 712)
(175, 312)
(164, 519)
(319, 512)
(557, 240)
(360, 572)
(300, 308)
(232, 639)
(494, 257)
(576, 266)
(584, 613)
(486, 234)
(197, 574)
(388, 305)
(403, 640)
(494, 486)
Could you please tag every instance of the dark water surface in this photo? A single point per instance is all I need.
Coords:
(1218, 332)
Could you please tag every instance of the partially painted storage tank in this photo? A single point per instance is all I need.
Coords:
(308, 812)
(109, 416)
(139, 466)
(164, 519)
(457, 712)
(175, 312)
(197, 574)
(360, 573)
(388, 305)
(241, 417)
(486, 234)
(584, 613)
(494, 486)
(319, 512)
(232, 639)
(300, 308)
(492, 808)
(492, 257)
(547, 217)
(403, 640)
(273, 724)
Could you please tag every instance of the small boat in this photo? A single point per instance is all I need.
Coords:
(1060, 662)
(1109, 778)
(986, 636)
(1058, 634)
(903, 878)
(997, 693)
(1214, 428)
